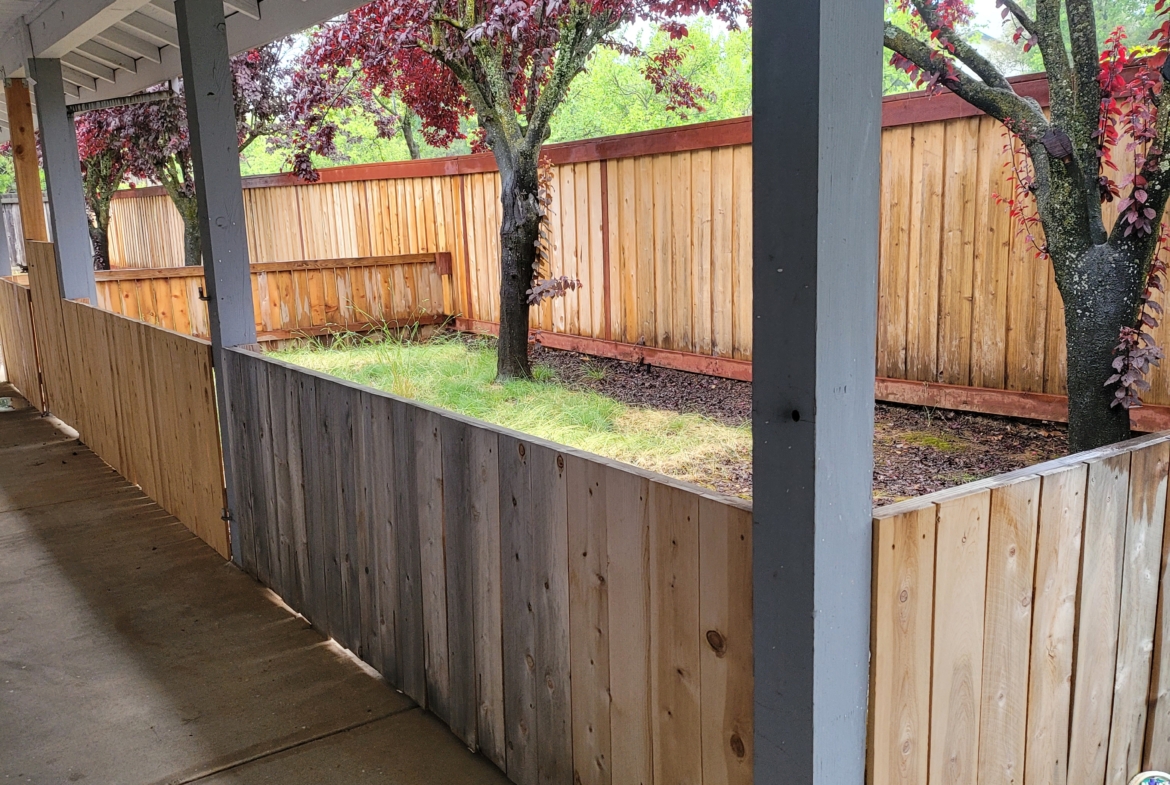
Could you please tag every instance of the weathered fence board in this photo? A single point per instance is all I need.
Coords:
(505, 575)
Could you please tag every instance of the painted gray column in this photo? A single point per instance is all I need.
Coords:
(6, 265)
(63, 183)
(817, 126)
(215, 152)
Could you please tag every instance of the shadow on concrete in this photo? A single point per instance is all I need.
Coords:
(130, 652)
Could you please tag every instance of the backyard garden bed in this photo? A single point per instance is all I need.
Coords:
(693, 427)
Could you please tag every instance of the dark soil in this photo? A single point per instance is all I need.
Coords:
(916, 450)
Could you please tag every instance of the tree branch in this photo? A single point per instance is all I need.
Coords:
(578, 38)
(1021, 16)
(1050, 39)
(1082, 25)
(1001, 103)
(965, 53)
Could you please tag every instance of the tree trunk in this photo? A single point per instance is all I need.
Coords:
(99, 236)
(518, 234)
(407, 125)
(192, 253)
(1100, 299)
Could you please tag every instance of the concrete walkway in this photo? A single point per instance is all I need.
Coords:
(131, 653)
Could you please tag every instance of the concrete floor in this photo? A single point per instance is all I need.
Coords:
(131, 653)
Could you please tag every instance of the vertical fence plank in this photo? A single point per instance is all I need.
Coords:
(410, 631)
(1058, 561)
(546, 472)
(485, 500)
(1011, 563)
(290, 491)
(725, 627)
(674, 637)
(349, 477)
(893, 280)
(385, 524)
(367, 467)
(1096, 652)
(589, 620)
(518, 571)
(243, 460)
(263, 476)
(330, 415)
(460, 525)
(628, 546)
(960, 590)
(428, 460)
(903, 611)
(1139, 610)
(311, 472)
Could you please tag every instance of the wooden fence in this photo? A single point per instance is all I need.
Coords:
(290, 299)
(575, 619)
(1020, 624)
(142, 398)
(658, 228)
(16, 341)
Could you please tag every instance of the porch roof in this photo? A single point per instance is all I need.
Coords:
(114, 48)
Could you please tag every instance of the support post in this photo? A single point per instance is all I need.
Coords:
(817, 93)
(215, 153)
(71, 244)
(24, 160)
(6, 265)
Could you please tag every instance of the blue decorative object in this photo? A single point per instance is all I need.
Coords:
(1150, 778)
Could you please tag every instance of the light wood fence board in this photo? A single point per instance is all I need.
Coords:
(629, 596)
(900, 693)
(960, 589)
(676, 720)
(1008, 629)
(725, 627)
(1138, 617)
(589, 621)
(1058, 561)
(1096, 652)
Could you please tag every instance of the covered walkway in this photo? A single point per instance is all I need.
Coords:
(130, 652)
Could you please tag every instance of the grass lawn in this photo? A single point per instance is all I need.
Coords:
(451, 373)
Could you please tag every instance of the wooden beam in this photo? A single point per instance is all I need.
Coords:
(64, 25)
(24, 159)
(249, 8)
(1004, 403)
(146, 273)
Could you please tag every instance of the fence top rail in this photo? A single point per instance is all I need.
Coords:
(661, 479)
(141, 273)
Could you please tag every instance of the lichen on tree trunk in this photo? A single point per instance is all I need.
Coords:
(1101, 290)
(189, 211)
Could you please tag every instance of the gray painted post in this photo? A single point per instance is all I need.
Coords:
(63, 182)
(816, 99)
(215, 152)
(6, 265)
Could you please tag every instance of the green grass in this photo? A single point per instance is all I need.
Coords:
(449, 373)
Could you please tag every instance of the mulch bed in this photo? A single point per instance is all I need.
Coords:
(916, 450)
